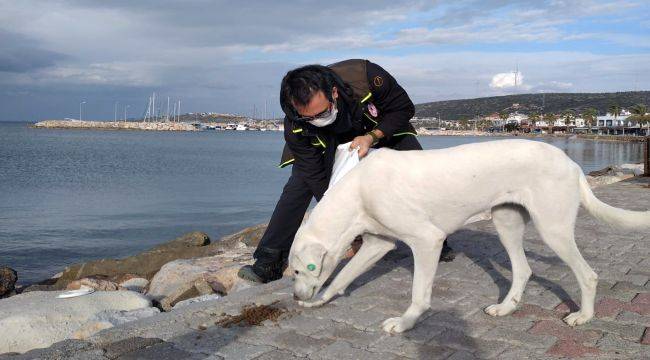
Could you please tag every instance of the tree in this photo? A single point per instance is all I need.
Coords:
(640, 115)
(503, 115)
(512, 127)
(639, 109)
(590, 115)
(569, 115)
(615, 110)
(532, 119)
(550, 119)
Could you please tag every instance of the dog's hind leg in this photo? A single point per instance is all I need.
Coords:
(510, 222)
(556, 229)
(426, 253)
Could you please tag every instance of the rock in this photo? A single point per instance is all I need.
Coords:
(37, 287)
(91, 328)
(613, 174)
(109, 318)
(250, 236)
(596, 181)
(186, 291)
(201, 298)
(8, 278)
(242, 284)
(604, 171)
(219, 271)
(636, 169)
(225, 278)
(146, 264)
(172, 276)
(96, 282)
(38, 319)
(135, 284)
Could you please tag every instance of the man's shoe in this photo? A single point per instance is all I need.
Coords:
(261, 273)
(269, 266)
(447, 254)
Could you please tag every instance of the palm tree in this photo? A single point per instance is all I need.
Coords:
(640, 111)
(532, 119)
(503, 115)
(615, 110)
(590, 115)
(550, 119)
(568, 115)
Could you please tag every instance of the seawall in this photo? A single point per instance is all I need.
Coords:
(114, 125)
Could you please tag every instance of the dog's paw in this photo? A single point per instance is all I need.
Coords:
(499, 309)
(309, 304)
(397, 325)
(577, 318)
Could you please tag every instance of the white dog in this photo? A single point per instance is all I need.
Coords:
(420, 197)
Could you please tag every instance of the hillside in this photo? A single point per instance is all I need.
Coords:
(527, 103)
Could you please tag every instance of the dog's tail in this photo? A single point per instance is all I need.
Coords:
(633, 220)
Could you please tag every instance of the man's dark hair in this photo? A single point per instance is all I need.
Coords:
(300, 84)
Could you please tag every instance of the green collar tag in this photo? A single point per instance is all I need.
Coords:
(311, 267)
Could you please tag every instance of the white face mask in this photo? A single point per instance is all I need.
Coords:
(320, 122)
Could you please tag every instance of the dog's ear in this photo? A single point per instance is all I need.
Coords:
(311, 256)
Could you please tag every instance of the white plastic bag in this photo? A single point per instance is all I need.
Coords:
(344, 161)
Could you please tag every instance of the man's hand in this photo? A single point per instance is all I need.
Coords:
(363, 142)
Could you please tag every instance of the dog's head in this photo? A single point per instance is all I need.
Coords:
(312, 265)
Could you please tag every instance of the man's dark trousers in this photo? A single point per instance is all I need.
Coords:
(293, 204)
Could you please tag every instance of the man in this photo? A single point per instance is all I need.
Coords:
(351, 101)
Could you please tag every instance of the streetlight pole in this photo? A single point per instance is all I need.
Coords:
(81, 103)
(646, 165)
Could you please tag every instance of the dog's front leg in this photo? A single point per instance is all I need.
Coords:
(425, 258)
(372, 249)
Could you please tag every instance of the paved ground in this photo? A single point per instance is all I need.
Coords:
(455, 328)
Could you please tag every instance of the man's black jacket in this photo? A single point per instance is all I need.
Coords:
(314, 164)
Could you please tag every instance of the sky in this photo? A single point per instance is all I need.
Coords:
(229, 56)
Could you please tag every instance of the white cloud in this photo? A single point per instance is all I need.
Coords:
(507, 80)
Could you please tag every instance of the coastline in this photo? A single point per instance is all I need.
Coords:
(183, 126)
(620, 138)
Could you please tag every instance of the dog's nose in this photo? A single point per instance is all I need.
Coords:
(295, 297)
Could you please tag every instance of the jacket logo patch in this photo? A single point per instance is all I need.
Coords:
(372, 110)
(378, 81)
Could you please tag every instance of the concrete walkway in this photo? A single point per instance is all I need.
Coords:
(455, 328)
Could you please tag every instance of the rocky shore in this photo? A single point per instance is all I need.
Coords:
(189, 269)
(115, 125)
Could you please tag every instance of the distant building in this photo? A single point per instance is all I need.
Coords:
(610, 120)
(516, 118)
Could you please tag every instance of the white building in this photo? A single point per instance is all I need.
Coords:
(610, 120)
(516, 118)
(577, 122)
